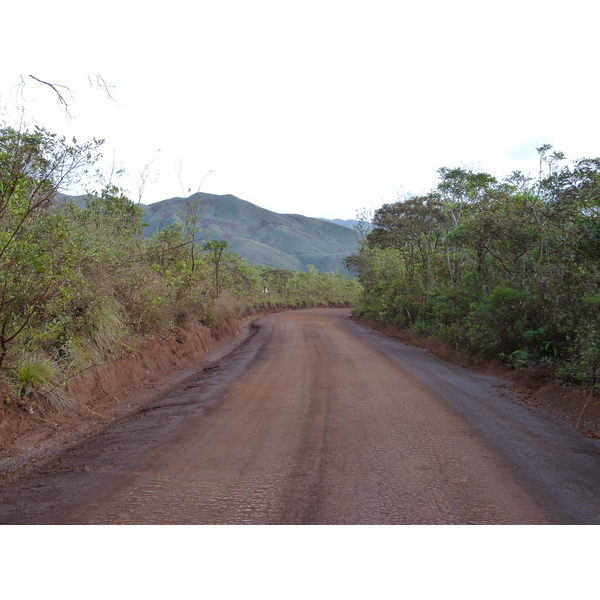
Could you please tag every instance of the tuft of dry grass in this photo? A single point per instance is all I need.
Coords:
(41, 384)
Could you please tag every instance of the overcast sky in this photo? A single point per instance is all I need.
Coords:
(318, 108)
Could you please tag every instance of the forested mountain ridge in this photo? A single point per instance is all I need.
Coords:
(260, 236)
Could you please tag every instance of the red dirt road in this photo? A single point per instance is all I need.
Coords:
(318, 420)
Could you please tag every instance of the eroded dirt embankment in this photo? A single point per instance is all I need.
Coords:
(115, 389)
(111, 390)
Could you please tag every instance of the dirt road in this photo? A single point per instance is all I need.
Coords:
(317, 420)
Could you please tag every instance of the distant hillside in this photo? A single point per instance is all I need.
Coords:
(343, 222)
(260, 236)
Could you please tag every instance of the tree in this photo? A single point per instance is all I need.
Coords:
(36, 254)
(500, 267)
(216, 250)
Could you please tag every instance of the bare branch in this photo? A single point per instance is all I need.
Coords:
(64, 94)
(101, 84)
(144, 178)
(56, 88)
(207, 175)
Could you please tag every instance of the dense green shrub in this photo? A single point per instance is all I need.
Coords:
(507, 268)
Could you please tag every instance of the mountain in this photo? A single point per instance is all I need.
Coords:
(343, 222)
(260, 236)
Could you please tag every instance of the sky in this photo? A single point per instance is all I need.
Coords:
(317, 108)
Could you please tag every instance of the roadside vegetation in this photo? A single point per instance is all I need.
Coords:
(507, 269)
(80, 283)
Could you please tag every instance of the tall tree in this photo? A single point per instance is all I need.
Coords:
(36, 255)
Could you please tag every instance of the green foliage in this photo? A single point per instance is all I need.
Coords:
(496, 325)
(39, 378)
(35, 373)
(518, 359)
(78, 280)
(296, 289)
(37, 255)
(506, 268)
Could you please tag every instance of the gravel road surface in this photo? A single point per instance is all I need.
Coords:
(315, 419)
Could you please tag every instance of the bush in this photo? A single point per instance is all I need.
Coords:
(497, 325)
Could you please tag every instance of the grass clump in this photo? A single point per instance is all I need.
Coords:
(41, 383)
(35, 373)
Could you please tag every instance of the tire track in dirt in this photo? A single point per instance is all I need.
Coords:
(317, 420)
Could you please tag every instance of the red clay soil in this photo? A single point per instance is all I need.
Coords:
(107, 392)
(112, 390)
(118, 388)
(536, 386)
